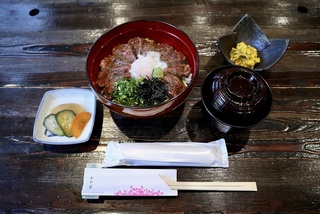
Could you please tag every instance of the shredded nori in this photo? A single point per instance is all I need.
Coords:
(152, 91)
(146, 92)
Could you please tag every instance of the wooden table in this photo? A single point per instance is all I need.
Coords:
(43, 46)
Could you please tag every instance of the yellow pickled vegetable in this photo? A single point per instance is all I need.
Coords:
(244, 55)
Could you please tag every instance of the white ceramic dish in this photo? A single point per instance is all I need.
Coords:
(51, 99)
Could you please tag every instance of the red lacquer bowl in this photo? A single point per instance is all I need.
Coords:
(161, 32)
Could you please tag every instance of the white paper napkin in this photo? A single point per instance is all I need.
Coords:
(127, 182)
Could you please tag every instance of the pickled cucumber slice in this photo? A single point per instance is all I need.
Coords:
(52, 125)
(64, 119)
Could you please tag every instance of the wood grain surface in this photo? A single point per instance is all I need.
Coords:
(43, 46)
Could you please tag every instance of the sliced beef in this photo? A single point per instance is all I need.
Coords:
(136, 45)
(173, 84)
(148, 45)
(112, 69)
(173, 57)
(179, 70)
(124, 52)
(111, 63)
(165, 51)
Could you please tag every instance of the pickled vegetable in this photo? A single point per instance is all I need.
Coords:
(65, 119)
(79, 123)
(52, 125)
(244, 55)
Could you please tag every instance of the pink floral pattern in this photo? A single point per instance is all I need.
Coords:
(138, 191)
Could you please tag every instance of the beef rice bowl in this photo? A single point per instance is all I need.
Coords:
(142, 69)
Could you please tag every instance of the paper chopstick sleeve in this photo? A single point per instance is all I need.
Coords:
(188, 154)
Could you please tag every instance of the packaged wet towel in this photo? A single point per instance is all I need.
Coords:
(187, 154)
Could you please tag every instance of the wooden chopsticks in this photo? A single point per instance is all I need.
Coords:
(211, 186)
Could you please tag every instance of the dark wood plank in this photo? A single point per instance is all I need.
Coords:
(43, 46)
(66, 72)
(289, 119)
(62, 183)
